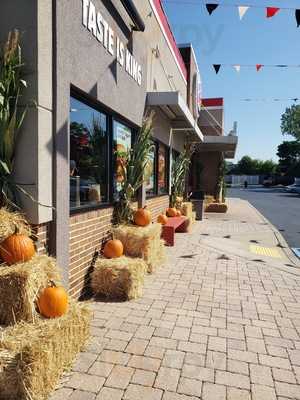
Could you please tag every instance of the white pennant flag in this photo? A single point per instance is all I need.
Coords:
(242, 11)
(237, 68)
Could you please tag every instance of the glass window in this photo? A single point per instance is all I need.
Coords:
(88, 156)
(150, 174)
(162, 169)
(122, 144)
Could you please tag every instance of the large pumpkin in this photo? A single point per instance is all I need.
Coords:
(53, 301)
(162, 219)
(17, 248)
(178, 213)
(142, 217)
(171, 212)
(113, 249)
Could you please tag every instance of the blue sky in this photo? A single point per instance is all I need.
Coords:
(223, 38)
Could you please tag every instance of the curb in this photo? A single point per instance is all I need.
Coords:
(281, 240)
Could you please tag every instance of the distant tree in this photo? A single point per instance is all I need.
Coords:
(268, 167)
(289, 158)
(290, 122)
(247, 166)
(250, 166)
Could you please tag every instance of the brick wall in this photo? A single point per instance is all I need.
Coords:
(209, 176)
(41, 235)
(157, 205)
(87, 231)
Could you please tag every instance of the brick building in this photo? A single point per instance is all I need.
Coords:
(94, 68)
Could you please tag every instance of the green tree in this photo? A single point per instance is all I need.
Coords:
(248, 166)
(268, 167)
(289, 158)
(290, 122)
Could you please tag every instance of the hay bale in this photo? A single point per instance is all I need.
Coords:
(9, 221)
(208, 199)
(187, 209)
(217, 208)
(20, 285)
(33, 357)
(194, 215)
(142, 242)
(119, 278)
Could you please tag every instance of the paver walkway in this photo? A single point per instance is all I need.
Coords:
(208, 327)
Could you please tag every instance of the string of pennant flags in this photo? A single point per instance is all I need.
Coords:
(243, 9)
(296, 99)
(258, 67)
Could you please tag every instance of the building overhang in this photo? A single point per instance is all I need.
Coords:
(225, 144)
(175, 108)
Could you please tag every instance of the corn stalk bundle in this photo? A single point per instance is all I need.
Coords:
(180, 169)
(11, 118)
(133, 165)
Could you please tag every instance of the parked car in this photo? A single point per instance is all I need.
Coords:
(268, 181)
(295, 188)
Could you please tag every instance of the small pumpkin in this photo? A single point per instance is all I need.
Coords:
(142, 217)
(53, 301)
(113, 249)
(178, 213)
(162, 219)
(17, 248)
(171, 212)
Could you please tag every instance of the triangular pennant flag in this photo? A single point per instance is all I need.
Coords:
(258, 67)
(242, 11)
(297, 14)
(217, 67)
(237, 68)
(271, 11)
(211, 7)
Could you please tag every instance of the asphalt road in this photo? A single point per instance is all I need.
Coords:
(280, 208)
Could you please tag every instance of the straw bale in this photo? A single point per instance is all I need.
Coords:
(217, 208)
(187, 209)
(20, 285)
(194, 215)
(143, 242)
(208, 199)
(9, 221)
(119, 278)
(33, 357)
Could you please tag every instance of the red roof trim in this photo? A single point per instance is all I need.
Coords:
(213, 102)
(168, 31)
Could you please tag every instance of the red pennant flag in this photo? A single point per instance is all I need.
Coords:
(271, 11)
(258, 67)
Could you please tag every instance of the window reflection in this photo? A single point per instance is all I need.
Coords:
(88, 155)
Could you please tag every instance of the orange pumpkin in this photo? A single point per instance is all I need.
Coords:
(113, 249)
(178, 213)
(17, 248)
(53, 301)
(142, 217)
(162, 219)
(171, 212)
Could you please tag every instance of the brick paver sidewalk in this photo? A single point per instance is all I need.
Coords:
(207, 327)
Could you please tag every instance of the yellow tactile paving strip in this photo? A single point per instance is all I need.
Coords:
(265, 251)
